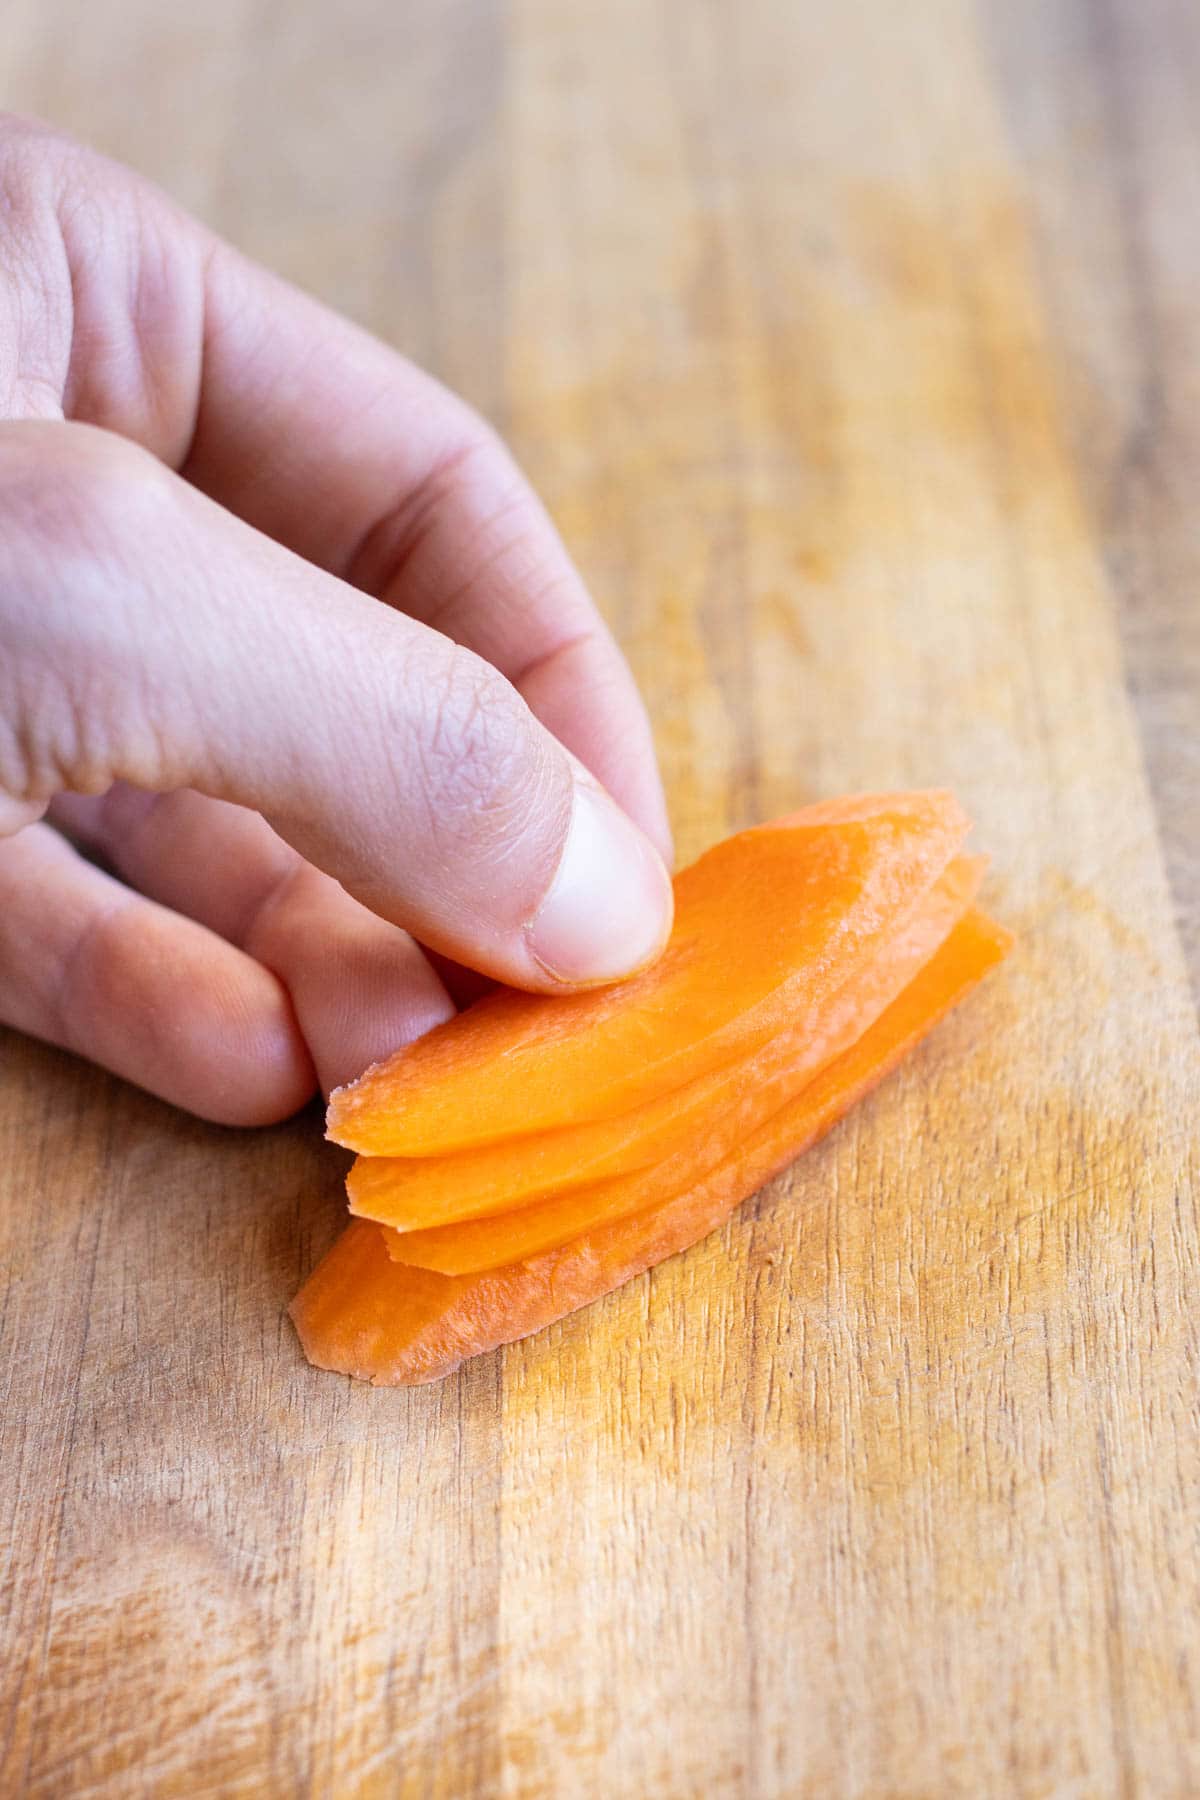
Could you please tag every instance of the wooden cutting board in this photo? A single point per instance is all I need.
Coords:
(855, 350)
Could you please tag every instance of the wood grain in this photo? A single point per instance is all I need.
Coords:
(855, 352)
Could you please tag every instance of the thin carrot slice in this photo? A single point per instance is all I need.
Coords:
(767, 925)
(736, 1101)
(414, 1194)
(382, 1321)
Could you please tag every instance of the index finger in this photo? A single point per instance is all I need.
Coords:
(328, 441)
(322, 437)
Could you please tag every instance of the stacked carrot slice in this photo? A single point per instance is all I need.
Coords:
(534, 1153)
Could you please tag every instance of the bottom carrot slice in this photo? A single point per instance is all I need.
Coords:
(386, 1322)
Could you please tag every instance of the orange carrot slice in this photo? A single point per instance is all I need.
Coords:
(416, 1193)
(385, 1322)
(767, 925)
(721, 1109)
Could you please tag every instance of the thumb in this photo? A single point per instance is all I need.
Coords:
(148, 635)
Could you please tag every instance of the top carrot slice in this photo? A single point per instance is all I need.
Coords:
(766, 924)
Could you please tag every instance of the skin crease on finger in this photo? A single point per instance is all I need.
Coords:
(118, 311)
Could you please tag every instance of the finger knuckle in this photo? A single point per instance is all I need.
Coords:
(42, 172)
(481, 766)
(70, 497)
(20, 133)
(75, 488)
(32, 156)
(42, 167)
(384, 559)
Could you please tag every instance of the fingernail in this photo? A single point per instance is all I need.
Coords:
(610, 905)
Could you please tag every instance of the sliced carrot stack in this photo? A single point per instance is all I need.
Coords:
(413, 1193)
(807, 959)
(386, 1322)
(718, 1113)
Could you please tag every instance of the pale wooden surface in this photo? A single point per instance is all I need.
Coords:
(855, 349)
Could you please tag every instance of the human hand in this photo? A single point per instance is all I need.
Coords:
(286, 639)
